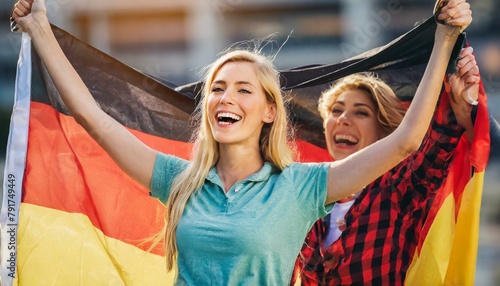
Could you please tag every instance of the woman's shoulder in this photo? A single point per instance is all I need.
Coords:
(170, 161)
(298, 168)
(308, 165)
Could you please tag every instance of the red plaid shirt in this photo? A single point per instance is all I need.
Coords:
(384, 223)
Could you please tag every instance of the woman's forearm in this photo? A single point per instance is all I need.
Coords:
(417, 120)
(68, 83)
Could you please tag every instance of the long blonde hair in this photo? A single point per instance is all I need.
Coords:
(390, 110)
(274, 142)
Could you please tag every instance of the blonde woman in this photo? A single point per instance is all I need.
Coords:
(241, 188)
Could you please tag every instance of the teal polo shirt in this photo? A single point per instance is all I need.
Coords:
(250, 235)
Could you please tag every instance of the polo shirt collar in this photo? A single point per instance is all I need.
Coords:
(263, 174)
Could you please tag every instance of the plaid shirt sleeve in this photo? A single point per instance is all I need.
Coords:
(383, 225)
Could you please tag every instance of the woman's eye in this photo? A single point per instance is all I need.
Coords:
(336, 111)
(362, 113)
(217, 89)
(244, 91)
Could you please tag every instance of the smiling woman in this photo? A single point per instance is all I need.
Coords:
(242, 187)
(238, 106)
(359, 110)
(354, 244)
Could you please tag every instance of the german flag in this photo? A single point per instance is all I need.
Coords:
(70, 216)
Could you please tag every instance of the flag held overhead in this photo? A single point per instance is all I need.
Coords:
(81, 220)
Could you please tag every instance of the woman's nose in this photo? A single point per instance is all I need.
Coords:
(227, 97)
(343, 120)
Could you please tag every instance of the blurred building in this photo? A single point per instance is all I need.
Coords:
(174, 39)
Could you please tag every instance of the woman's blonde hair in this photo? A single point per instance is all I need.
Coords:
(390, 110)
(275, 141)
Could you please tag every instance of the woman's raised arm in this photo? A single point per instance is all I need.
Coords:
(133, 156)
(361, 168)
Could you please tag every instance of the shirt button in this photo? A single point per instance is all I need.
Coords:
(341, 223)
(237, 190)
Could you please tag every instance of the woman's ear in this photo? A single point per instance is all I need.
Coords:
(270, 115)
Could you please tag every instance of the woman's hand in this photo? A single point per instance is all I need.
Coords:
(30, 14)
(464, 90)
(456, 14)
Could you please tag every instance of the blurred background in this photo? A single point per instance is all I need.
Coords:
(174, 39)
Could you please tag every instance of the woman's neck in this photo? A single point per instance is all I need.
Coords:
(237, 163)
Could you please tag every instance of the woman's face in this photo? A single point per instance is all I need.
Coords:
(237, 105)
(351, 124)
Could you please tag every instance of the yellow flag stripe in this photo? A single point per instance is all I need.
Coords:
(429, 268)
(462, 267)
(60, 248)
(449, 252)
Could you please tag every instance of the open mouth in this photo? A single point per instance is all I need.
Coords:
(226, 118)
(345, 139)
